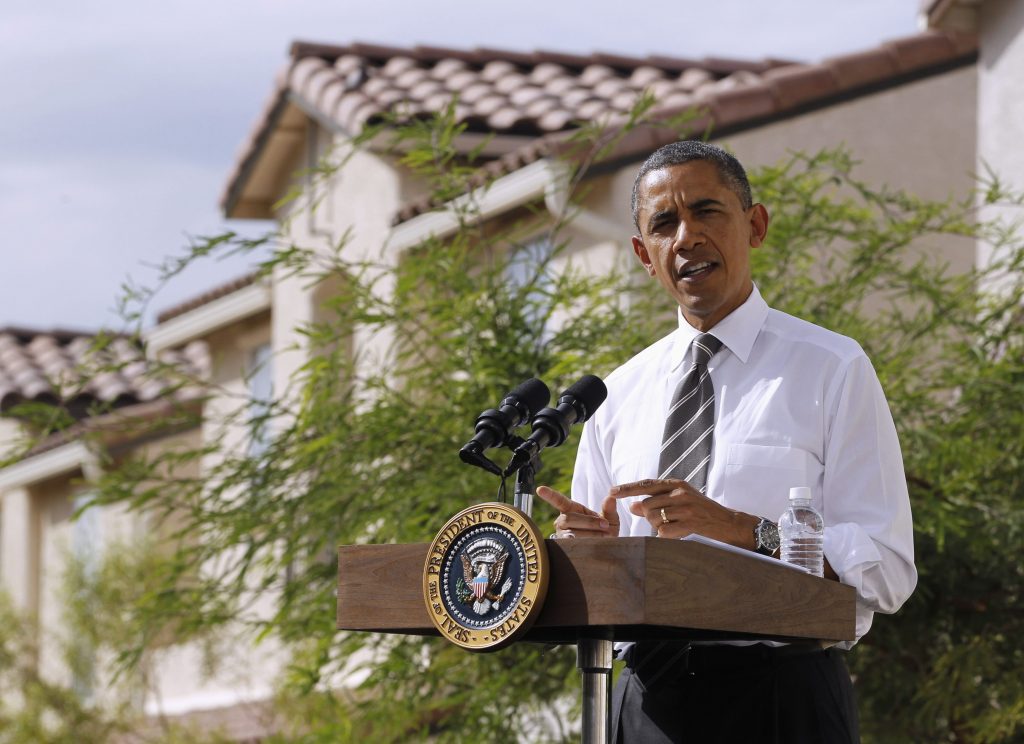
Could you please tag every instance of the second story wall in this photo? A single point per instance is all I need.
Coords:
(353, 214)
(1000, 109)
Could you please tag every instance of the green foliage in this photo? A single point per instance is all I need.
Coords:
(950, 355)
(34, 707)
(439, 334)
(461, 321)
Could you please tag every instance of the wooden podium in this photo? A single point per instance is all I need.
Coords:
(635, 587)
(626, 589)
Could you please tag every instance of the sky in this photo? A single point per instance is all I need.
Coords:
(121, 120)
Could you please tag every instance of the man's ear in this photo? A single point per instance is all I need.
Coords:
(641, 252)
(759, 220)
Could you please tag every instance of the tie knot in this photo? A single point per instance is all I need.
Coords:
(703, 348)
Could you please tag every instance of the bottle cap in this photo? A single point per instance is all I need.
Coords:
(799, 492)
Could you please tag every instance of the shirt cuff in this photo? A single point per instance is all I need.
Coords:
(851, 552)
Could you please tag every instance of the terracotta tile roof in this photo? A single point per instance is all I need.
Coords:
(221, 290)
(502, 92)
(498, 91)
(745, 99)
(537, 94)
(63, 367)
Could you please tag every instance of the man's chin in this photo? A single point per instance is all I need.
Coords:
(696, 315)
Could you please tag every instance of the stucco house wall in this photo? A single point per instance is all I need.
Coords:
(1000, 109)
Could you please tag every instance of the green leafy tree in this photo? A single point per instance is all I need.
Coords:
(479, 311)
(34, 707)
(470, 313)
(859, 259)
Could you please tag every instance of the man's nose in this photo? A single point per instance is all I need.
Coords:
(688, 236)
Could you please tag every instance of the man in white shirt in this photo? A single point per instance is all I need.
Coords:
(794, 405)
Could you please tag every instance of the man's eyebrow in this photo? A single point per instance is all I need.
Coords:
(702, 203)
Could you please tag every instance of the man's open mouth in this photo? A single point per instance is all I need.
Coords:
(696, 270)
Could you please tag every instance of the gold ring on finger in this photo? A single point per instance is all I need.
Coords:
(664, 517)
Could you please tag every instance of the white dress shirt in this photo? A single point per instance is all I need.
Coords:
(795, 405)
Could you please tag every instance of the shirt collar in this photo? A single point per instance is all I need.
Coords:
(737, 331)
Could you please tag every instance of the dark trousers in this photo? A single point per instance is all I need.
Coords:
(751, 694)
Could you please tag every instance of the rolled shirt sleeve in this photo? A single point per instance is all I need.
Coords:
(869, 538)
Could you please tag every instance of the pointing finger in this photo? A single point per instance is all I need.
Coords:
(648, 486)
(562, 503)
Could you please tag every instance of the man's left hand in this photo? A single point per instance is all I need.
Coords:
(676, 509)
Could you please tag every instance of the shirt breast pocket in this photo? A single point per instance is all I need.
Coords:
(758, 477)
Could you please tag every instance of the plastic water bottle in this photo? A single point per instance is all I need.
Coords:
(802, 532)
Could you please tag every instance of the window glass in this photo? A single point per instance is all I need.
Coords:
(259, 376)
(529, 270)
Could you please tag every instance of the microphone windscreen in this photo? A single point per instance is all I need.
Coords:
(533, 394)
(590, 391)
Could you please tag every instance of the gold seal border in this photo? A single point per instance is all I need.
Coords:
(530, 603)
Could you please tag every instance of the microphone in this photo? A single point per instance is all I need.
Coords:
(495, 425)
(551, 426)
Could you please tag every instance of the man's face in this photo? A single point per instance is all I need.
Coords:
(695, 239)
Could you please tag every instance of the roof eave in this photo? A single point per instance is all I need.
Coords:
(528, 184)
(235, 203)
(65, 453)
(52, 463)
(950, 15)
(232, 200)
(208, 317)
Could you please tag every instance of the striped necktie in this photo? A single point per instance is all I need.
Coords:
(689, 428)
(685, 454)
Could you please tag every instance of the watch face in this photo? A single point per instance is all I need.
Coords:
(767, 536)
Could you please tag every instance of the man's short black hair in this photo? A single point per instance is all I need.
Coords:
(684, 151)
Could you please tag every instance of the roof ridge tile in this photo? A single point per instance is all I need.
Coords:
(921, 50)
(798, 84)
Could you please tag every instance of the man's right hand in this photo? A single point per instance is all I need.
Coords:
(576, 520)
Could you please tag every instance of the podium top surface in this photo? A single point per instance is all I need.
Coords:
(629, 588)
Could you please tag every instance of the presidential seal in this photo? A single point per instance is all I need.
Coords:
(486, 576)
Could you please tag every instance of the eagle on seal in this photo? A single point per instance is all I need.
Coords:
(483, 577)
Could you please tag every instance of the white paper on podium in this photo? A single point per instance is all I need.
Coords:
(694, 537)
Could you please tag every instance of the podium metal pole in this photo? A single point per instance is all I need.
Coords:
(594, 660)
(525, 479)
(593, 653)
